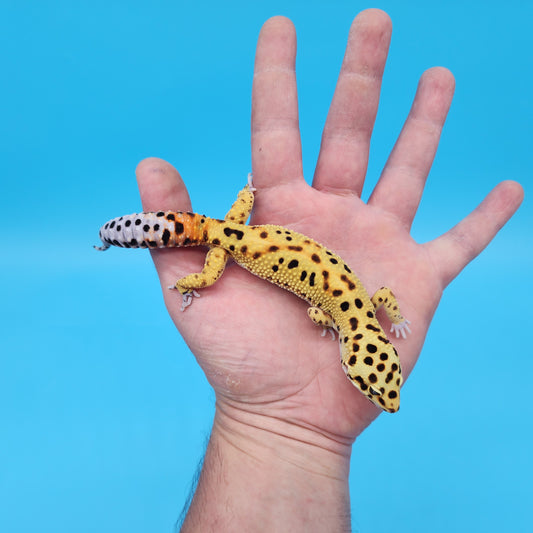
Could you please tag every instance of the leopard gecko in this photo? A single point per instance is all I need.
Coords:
(292, 261)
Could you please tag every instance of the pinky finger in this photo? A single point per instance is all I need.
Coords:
(453, 250)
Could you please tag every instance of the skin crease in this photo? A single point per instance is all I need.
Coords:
(267, 362)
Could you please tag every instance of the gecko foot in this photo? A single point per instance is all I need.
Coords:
(187, 299)
(325, 329)
(251, 187)
(401, 329)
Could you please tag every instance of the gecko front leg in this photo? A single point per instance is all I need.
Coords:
(321, 319)
(385, 298)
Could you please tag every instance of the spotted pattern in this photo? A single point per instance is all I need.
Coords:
(294, 262)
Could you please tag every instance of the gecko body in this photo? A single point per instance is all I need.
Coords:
(294, 262)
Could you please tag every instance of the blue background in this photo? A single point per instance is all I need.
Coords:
(103, 412)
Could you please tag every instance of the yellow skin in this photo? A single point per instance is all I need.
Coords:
(294, 262)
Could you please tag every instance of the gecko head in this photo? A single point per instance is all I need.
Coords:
(377, 374)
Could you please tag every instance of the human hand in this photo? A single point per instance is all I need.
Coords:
(254, 341)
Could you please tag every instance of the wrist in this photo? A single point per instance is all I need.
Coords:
(281, 441)
(264, 474)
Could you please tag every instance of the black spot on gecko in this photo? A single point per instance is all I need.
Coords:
(358, 303)
(171, 216)
(372, 378)
(315, 258)
(295, 248)
(152, 244)
(347, 269)
(273, 249)
(288, 238)
(337, 292)
(146, 227)
(389, 377)
(275, 268)
(370, 314)
(119, 227)
(312, 279)
(358, 337)
(372, 328)
(383, 356)
(178, 228)
(380, 367)
(368, 361)
(355, 347)
(361, 382)
(127, 223)
(280, 260)
(293, 264)
(371, 348)
(256, 255)
(303, 275)
(156, 227)
(384, 340)
(160, 214)
(263, 235)
(392, 394)
(394, 367)
(325, 273)
(345, 306)
(244, 249)
(352, 360)
(165, 237)
(133, 242)
(228, 232)
(138, 222)
(231, 247)
(333, 260)
(350, 283)
(112, 224)
(354, 323)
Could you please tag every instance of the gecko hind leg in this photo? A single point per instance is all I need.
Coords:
(321, 319)
(215, 262)
(216, 258)
(242, 207)
(385, 298)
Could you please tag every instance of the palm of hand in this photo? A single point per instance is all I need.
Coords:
(254, 341)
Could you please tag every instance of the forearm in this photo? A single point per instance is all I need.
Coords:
(283, 478)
